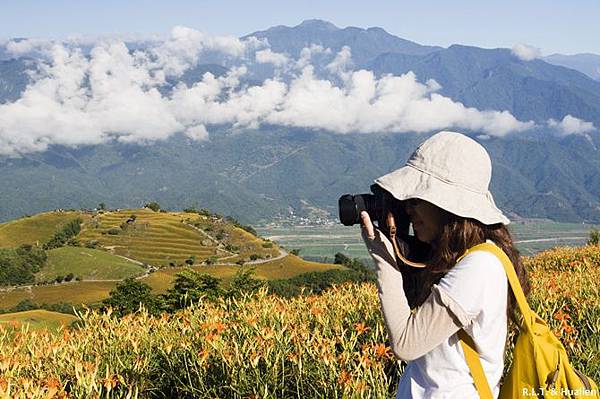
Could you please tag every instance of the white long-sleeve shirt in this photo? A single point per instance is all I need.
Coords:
(472, 296)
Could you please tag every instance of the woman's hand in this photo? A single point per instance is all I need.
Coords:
(367, 225)
(379, 246)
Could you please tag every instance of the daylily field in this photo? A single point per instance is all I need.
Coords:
(262, 346)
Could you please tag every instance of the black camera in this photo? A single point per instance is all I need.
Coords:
(379, 205)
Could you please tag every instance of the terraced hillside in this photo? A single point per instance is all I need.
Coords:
(141, 243)
(37, 229)
(170, 238)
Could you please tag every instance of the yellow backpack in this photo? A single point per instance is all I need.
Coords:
(540, 367)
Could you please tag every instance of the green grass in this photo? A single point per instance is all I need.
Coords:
(36, 229)
(37, 319)
(76, 293)
(284, 268)
(87, 264)
(90, 292)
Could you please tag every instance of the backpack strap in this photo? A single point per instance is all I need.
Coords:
(513, 280)
(467, 343)
(481, 383)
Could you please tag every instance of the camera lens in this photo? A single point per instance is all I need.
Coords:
(351, 206)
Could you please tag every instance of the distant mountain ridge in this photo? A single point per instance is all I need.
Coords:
(366, 44)
(258, 174)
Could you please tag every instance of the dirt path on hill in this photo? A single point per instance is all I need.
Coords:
(282, 254)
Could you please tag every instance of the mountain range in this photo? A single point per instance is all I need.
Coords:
(260, 173)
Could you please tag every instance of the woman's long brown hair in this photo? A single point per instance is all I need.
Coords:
(457, 235)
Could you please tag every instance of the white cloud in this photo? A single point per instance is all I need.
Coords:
(269, 57)
(115, 94)
(341, 63)
(29, 47)
(571, 125)
(307, 53)
(526, 52)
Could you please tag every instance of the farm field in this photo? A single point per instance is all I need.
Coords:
(87, 264)
(75, 292)
(88, 292)
(37, 319)
(169, 238)
(286, 267)
(323, 242)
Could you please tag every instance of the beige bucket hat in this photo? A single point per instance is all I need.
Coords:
(451, 171)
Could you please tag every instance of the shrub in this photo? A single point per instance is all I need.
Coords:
(153, 205)
(114, 232)
(62, 236)
(191, 260)
(211, 260)
(267, 245)
(594, 237)
(129, 295)
(232, 248)
(17, 266)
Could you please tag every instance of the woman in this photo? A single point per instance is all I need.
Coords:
(444, 190)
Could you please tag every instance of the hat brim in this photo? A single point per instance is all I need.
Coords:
(409, 182)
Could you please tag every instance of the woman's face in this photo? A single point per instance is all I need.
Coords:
(426, 219)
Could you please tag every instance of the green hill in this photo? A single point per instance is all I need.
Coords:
(37, 319)
(87, 264)
(37, 229)
(154, 246)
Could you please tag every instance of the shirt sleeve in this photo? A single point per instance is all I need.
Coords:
(411, 333)
(470, 284)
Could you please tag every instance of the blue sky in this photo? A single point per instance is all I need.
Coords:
(565, 27)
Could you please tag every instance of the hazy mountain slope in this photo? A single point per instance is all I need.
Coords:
(256, 175)
(495, 79)
(586, 63)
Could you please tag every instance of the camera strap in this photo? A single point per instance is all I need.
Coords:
(391, 224)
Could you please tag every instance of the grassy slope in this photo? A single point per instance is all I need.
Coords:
(35, 229)
(287, 267)
(88, 264)
(154, 238)
(37, 319)
(74, 292)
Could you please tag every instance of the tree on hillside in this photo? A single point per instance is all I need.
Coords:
(243, 282)
(129, 295)
(594, 237)
(354, 264)
(153, 205)
(190, 287)
(62, 236)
